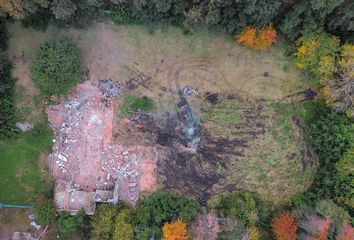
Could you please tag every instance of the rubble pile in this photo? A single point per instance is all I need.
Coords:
(110, 88)
(83, 153)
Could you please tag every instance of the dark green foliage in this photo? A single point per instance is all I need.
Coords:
(345, 180)
(235, 15)
(331, 135)
(57, 67)
(161, 207)
(38, 20)
(76, 12)
(69, 224)
(244, 206)
(340, 22)
(147, 233)
(44, 211)
(3, 35)
(134, 104)
(307, 16)
(126, 14)
(7, 108)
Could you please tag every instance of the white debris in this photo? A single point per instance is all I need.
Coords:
(125, 152)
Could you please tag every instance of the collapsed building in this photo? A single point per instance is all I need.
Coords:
(87, 166)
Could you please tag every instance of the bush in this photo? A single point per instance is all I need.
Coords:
(68, 224)
(149, 233)
(244, 206)
(125, 13)
(134, 104)
(38, 20)
(57, 67)
(176, 230)
(257, 39)
(44, 212)
(161, 207)
(284, 226)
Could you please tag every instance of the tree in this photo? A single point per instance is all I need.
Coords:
(331, 135)
(44, 212)
(340, 21)
(257, 39)
(328, 209)
(161, 207)
(244, 206)
(57, 67)
(237, 15)
(313, 227)
(345, 183)
(176, 230)
(14, 8)
(307, 16)
(347, 233)
(316, 53)
(122, 229)
(284, 226)
(102, 222)
(68, 224)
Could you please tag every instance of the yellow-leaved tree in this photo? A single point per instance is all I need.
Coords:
(176, 230)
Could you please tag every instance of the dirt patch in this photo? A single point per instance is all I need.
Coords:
(14, 220)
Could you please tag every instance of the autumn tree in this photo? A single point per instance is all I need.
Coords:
(205, 227)
(284, 226)
(14, 8)
(257, 39)
(347, 233)
(316, 53)
(314, 227)
(176, 230)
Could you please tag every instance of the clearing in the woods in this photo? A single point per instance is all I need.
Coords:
(251, 137)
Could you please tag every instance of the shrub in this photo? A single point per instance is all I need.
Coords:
(125, 13)
(257, 39)
(176, 230)
(161, 207)
(57, 67)
(244, 206)
(149, 233)
(253, 233)
(102, 222)
(134, 104)
(284, 226)
(68, 224)
(122, 229)
(44, 211)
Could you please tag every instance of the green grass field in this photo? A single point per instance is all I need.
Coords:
(22, 176)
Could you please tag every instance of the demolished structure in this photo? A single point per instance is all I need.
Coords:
(88, 167)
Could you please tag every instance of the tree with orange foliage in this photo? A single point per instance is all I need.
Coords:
(347, 232)
(284, 226)
(322, 230)
(257, 39)
(175, 231)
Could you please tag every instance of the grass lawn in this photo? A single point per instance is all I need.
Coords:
(21, 172)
